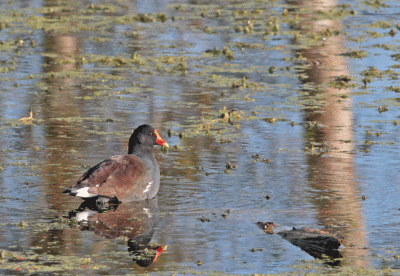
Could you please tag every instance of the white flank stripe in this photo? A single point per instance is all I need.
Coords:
(148, 187)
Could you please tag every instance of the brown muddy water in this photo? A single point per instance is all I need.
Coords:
(301, 96)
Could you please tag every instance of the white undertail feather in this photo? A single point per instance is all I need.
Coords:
(84, 193)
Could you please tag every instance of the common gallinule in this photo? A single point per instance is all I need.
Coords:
(123, 178)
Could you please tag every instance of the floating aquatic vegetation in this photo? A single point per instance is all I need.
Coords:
(356, 54)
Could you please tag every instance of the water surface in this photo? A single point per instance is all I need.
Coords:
(302, 96)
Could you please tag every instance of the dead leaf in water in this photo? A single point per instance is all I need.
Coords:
(27, 120)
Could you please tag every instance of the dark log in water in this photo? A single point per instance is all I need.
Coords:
(317, 243)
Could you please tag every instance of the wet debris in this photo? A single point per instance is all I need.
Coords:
(366, 80)
(255, 158)
(376, 4)
(319, 149)
(225, 214)
(369, 142)
(396, 57)
(230, 166)
(147, 256)
(145, 18)
(248, 28)
(27, 120)
(372, 73)
(243, 45)
(214, 51)
(204, 219)
(22, 224)
(181, 66)
(165, 148)
(241, 84)
(267, 227)
(207, 30)
(248, 99)
(225, 51)
(310, 125)
(342, 82)
(182, 135)
(382, 108)
(224, 140)
(272, 120)
(231, 116)
(176, 147)
(394, 88)
(272, 69)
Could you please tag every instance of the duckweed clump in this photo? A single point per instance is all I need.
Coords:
(342, 82)
(356, 54)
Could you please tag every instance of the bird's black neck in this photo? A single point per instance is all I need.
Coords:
(139, 149)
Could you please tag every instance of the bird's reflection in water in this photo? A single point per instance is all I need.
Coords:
(136, 221)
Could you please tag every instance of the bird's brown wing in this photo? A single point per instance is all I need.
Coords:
(123, 176)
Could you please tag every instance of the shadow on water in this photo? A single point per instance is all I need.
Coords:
(136, 222)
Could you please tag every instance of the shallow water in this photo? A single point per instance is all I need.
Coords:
(92, 72)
